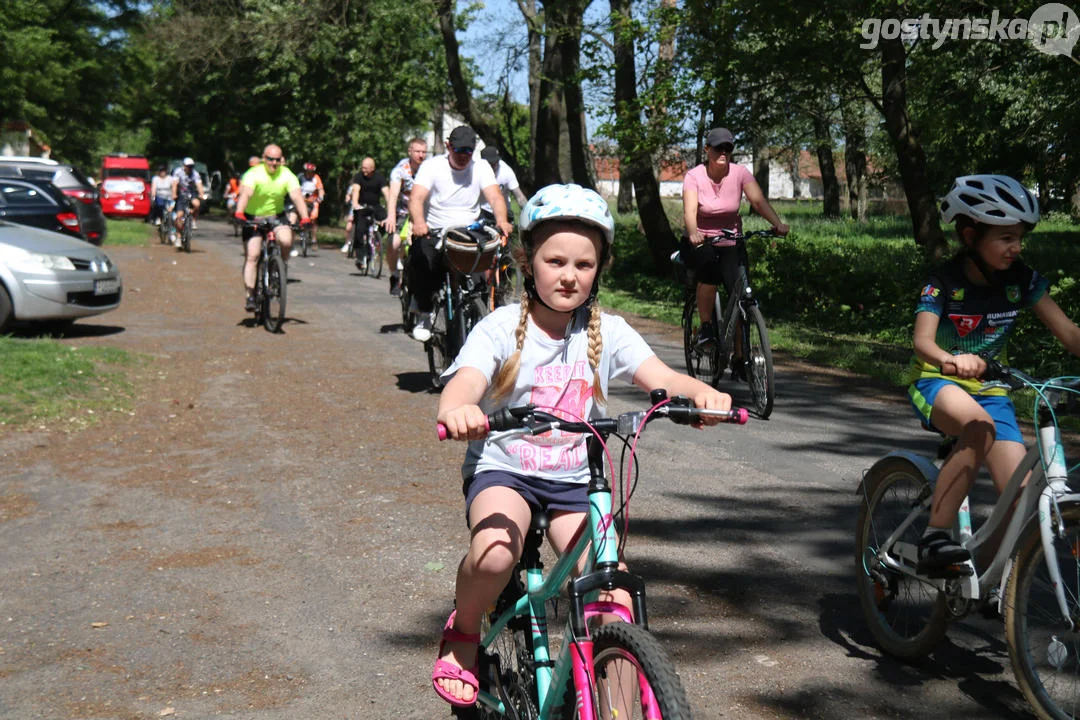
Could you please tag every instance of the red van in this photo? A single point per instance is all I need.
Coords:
(125, 185)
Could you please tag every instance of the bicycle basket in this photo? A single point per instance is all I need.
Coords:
(470, 251)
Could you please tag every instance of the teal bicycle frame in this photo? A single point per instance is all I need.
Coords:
(574, 662)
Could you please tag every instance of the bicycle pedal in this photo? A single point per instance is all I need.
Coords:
(947, 572)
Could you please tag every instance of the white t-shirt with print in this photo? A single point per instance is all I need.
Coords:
(507, 182)
(553, 374)
(454, 197)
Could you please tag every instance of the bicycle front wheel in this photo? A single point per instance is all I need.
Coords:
(702, 359)
(376, 260)
(276, 282)
(185, 238)
(759, 363)
(906, 614)
(305, 238)
(1044, 651)
(632, 677)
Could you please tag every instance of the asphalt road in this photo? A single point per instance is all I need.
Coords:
(344, 537)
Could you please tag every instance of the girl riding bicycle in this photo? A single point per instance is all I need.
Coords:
(556, 350)
(978, 294)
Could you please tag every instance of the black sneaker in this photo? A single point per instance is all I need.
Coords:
(394, 289)
(249, 304)
(940, 555)
(707, 334)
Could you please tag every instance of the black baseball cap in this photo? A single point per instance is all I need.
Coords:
(718, 137)
(463, 137)
(490, 153)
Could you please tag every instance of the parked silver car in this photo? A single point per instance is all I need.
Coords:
(49, 277)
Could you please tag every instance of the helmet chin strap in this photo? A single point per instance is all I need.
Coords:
(988, 273)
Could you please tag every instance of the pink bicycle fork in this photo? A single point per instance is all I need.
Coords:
(582, 666)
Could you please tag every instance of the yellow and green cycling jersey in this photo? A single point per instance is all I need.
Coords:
(268, 191)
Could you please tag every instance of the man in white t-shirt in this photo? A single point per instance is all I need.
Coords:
(505, 178)
(446, 194)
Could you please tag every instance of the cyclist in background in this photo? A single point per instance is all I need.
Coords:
(162, 192)
(712, 193)
(507, 180)
(366, 191)
(262, 194)
(446, 194)
(189, 194)
(311, 186)
(397, 221)
(965, 315)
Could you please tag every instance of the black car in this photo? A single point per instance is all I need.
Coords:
(70, 180)
(38, 203)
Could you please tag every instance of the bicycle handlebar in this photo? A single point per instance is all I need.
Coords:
(532, 421)
(729, 235)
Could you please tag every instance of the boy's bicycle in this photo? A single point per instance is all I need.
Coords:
(1033, 578)
(614, 670)
(463, 298)
(741, 333)
(271, 277)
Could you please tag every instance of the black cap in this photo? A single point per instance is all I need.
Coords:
(718, 137)
(462, 137)
(490, 153)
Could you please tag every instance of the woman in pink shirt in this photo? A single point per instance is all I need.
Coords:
(712, 193)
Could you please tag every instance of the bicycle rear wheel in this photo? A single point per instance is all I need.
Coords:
(506, 665)
(1044, 651)
(759, 362)
(632, 677)
(276, 282)
(906, 615)
(702, 361)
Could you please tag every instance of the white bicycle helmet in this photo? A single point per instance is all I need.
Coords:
(990, 199)
(568, 202)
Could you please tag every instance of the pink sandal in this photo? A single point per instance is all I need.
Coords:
(448, 671)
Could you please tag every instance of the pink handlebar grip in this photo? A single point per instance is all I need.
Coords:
(740, 415)
(442, 431)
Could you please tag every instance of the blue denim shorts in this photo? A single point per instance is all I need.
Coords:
(541, 494)
(1000, 408)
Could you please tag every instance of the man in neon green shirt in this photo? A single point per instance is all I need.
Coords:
(262, 195)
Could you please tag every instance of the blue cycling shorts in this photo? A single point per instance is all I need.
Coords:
(923, 392)
(546, 495)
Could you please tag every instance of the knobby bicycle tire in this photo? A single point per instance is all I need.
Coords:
(702, 361)
(439, 351)
(375, 262)
(624, 654)
(907, 616)
(1043, 649)
(305, 238)
(185, 237)
(260, 291)
(758, 366)
(276, 288)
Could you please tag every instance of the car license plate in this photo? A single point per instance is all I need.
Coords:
(106, 287)
(124, 205)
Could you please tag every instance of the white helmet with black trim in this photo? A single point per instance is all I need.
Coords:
(990, 199)
(568, 202)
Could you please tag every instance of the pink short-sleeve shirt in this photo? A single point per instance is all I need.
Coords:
(718, 203)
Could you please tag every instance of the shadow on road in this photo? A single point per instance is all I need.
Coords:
(416, 382)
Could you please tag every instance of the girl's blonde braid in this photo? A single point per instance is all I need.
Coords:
(596, 351)
(507, 376)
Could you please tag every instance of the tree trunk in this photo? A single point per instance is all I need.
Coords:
(925, 219)
(1072, 196)
(654, 221)
(570, 51)
(550, 117)
(854, 118)
(535, 44)
(625, 203)
(823, 145)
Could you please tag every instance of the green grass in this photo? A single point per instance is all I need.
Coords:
(43, 382)
(129, 232)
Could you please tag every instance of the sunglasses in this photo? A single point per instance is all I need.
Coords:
(267, 158)
(463, 151)
(725, 148)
